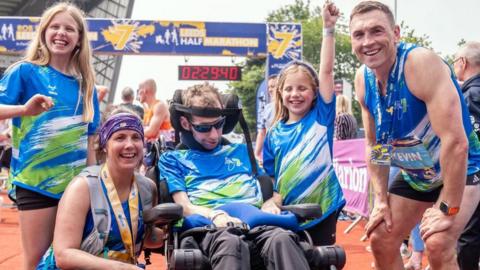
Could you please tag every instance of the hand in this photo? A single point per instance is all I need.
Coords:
(223, 219)
(37, 105)
(434, 221)
(271, 207)
(330, 14)
(381, 213)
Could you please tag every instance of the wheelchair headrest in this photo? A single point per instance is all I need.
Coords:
(231, 111)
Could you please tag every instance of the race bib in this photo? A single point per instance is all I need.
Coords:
(411, 155)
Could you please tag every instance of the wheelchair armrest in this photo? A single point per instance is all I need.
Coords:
(304, 211)
(163, 214)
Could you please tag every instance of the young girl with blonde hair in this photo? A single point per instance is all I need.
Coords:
(298, 147)
(50, 96)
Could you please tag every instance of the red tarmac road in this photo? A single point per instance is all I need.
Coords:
(11, 251)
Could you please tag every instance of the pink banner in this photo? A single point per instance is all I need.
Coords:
(349, 164)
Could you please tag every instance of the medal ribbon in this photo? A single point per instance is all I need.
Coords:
(129, 235)
(386, 104)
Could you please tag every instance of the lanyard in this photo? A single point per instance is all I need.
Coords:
(387, 106)
(126, 233)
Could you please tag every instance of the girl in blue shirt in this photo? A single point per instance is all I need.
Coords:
(50, 96)
(298, 148)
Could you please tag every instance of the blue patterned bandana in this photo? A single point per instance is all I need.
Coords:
(118, 122)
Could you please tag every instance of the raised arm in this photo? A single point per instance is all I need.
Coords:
(378, 174)
(330, 14)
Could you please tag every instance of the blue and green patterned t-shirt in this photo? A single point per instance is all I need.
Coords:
(212, 178)
(49, 149)
(299, 156)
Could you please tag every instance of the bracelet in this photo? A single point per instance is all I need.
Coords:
(215, 213)
(329, 32)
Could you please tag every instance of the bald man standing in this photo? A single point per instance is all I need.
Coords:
(156, 118)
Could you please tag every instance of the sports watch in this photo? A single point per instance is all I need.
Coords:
(447, 210)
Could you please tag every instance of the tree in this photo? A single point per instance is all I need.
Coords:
(296, 12)
(253, 73)
(409, 35)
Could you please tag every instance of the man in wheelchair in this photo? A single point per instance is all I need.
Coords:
(208, 175)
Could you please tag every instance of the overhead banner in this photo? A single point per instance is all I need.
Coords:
(16, 33)
(351, 169)
(122, 36)
(284, 45)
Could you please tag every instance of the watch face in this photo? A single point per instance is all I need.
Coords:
(444, 208)
(449, 211)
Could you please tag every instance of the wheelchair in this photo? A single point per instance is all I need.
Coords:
(179, 249)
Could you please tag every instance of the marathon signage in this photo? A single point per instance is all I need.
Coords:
(284, 45)
(122, 36)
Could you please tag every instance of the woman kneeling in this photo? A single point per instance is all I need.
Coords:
(103, 205)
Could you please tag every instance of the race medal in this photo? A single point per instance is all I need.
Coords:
(381, 154)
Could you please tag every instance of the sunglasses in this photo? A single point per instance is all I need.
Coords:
(204, 128)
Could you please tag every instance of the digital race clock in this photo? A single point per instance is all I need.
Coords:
(210, 73)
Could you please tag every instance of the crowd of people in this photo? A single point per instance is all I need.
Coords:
(73, 171)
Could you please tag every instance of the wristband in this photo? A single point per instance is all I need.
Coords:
(215, 213)
(329, 31)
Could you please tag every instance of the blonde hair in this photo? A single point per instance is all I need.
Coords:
(38, 53)
(205, 95)
(343, 105)
(281, 112)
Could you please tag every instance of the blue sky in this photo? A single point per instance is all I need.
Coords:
(445, 21)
